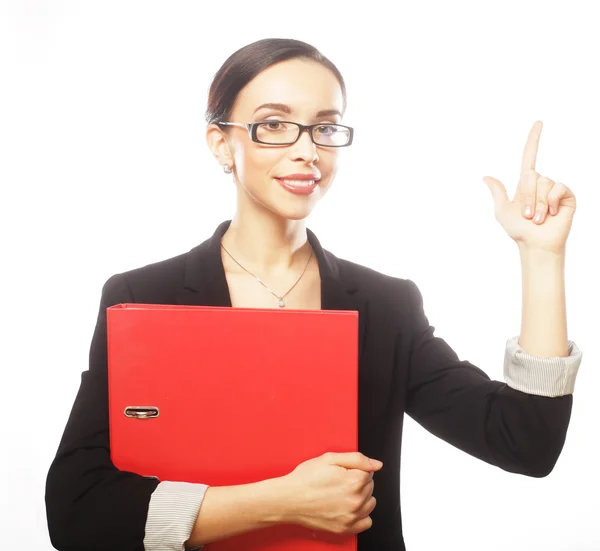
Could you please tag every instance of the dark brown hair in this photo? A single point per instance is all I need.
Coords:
(242, 66)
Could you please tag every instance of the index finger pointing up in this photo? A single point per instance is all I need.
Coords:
(531, 147)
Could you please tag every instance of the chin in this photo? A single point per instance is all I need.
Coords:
(293, 214)
(287, 206)
(294, 209)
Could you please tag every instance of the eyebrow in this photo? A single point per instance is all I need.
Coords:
(286, 109)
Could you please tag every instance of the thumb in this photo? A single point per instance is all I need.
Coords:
(497, 190)
(354, 460)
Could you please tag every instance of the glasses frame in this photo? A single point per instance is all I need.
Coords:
(252, 128)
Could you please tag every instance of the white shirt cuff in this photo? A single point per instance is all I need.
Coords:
(172, 513)
(551, 377)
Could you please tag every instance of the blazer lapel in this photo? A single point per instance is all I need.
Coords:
(205, 284)
(204, 281)
(339, 291)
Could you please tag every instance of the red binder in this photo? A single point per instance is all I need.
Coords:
(226, 396)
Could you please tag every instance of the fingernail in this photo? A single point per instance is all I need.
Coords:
(528, 211)
(539, 216)
(376, 462)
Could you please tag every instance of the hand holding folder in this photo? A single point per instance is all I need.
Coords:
(226, 396)
(338, 489)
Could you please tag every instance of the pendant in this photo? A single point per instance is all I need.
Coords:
(281, 303)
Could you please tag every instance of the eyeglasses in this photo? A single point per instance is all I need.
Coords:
(274, 132)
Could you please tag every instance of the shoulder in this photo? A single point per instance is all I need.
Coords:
(155, 282)
(381, 288)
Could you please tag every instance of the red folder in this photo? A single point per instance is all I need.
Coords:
(226, 396)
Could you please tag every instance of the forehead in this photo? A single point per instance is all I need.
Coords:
(305, 85)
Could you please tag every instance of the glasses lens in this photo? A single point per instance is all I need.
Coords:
(331, 134)
(275, 132)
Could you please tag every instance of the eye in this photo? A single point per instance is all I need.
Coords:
(327, 129)
(274, 126)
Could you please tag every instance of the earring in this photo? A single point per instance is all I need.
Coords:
(227, 169)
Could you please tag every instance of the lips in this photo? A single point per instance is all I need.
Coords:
(298, 186)
(300, 176)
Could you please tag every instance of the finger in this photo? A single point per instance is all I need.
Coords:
(497, 189)
(372, 504)
(544, 185)
(558, 192)
(365, 499)
(367, 507)
(366, 492)
(527, 192)
(362, 525)
(361, 477)
(531, 148)
(353, 460)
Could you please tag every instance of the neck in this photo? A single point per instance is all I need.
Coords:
(266, 244)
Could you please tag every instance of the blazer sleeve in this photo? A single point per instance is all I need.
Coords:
(90, 504)
(457, 402)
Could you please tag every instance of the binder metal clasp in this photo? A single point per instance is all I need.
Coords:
(141, 412)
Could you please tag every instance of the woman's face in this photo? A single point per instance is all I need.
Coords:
(305, 88)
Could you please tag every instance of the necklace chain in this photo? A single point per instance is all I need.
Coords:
(280, 298)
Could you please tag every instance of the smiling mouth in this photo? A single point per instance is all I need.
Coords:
(298, 183)
(299, 187)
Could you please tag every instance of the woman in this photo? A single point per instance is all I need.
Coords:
(267, 258)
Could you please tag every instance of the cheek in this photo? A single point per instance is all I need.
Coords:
(257, 164)
(331, 160)
(329, 167)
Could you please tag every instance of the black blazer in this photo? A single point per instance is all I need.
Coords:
(403, 367)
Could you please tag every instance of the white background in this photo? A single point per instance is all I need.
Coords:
(104, 167)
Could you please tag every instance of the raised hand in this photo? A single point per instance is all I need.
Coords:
(541, 212)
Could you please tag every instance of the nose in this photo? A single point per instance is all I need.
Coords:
(305, 147)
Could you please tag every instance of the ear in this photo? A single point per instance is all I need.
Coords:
(217, 142)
